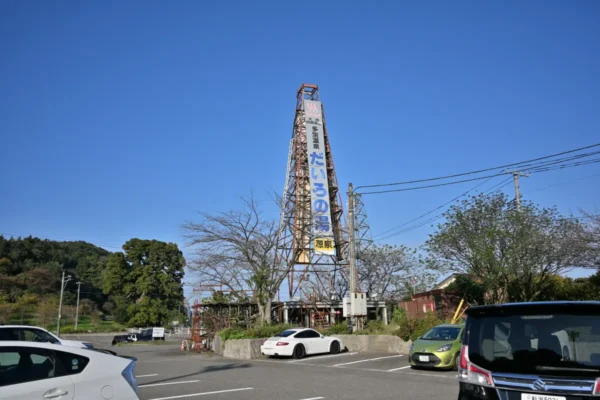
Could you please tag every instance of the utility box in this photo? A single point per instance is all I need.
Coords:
(355, 305)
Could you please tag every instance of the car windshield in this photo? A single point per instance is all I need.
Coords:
(285, 333)
(542, 344)
(442, 333)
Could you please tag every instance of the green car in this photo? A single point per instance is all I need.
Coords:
(438, 348)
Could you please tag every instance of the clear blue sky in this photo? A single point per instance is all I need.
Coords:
(123, 119)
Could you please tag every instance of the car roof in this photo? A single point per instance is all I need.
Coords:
(450, 325)
(298, 329)
(534, 305)
(21, 326)
(39, 345)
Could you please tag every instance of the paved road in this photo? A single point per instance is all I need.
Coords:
(164, 373)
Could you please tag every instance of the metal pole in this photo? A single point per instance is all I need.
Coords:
(351, 237)
(77, 308)
(352, 255)
(517, 192)
(62, 287)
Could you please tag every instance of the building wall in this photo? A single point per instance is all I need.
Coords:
(445, 304)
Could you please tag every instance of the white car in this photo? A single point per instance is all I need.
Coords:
(298, 343)
(36, 334)
(30, 370)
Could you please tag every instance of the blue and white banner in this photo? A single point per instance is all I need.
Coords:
(320, 206)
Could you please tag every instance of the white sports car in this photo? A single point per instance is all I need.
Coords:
(30, 370)
(298, 343)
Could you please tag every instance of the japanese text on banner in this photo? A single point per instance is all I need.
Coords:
(322, 230)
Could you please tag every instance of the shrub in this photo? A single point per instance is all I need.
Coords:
(399, 317)
(413, 329)
(252, 333)
(340, 328)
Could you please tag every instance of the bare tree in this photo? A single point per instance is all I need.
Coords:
(590, 238)
(236, 249)
(387, 272)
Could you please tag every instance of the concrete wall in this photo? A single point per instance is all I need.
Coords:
(246, 349)
(241, 349)
(375, 343)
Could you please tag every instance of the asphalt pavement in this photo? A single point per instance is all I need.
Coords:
(164, 372)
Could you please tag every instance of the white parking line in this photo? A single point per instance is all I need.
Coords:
(145, 376)
(319, 357)
(201, 394)
(369, 359)
(314, 398)
(398, 369)
(168, 383)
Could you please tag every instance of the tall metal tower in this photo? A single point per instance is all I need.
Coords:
(311, 241)
(363, 236)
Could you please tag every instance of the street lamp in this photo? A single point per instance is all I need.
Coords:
(63, 284)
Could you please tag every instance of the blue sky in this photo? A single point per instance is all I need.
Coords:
(124, 119)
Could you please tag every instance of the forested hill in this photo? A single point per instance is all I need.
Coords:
(140, 286)
(30, 271)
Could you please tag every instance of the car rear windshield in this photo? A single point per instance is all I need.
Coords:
(285, 333)
(442, 333)
(541, 344)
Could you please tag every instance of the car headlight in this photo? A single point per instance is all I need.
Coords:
(445, 347)
(412, 348)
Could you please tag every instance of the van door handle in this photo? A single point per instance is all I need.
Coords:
(55, 393)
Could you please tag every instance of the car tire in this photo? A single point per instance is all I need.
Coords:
(335, 347)
(299, 352)
(456, 361)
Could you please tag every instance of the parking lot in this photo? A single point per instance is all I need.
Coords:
(164, 372)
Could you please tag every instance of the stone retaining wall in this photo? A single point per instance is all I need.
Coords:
(241, 349)
(246, 349)
(375, 343)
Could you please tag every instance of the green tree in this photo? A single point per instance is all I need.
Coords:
(464, 286)
(33, 266)
(148, 278)
(513, 254)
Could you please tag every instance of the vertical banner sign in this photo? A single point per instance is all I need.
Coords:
(320, 206)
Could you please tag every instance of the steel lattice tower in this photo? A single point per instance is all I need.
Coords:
(311, 272)
(362, 230)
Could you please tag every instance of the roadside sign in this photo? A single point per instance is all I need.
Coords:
(158, 333)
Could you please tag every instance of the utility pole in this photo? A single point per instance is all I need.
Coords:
(77, 308)
(352, 254)
(63, 284)
(516, 175)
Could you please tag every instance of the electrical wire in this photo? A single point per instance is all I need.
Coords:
(561, 183)
(531, 171)
(481, 170)
(496, 187)
(437, 208)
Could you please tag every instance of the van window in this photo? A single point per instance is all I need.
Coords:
(536, 344)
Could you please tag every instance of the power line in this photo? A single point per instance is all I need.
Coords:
(503, 183)
(496, 187)
(481, 170)
(437, 208)
(531, 171)
(562, 183)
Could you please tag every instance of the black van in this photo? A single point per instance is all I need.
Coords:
(531, 351)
